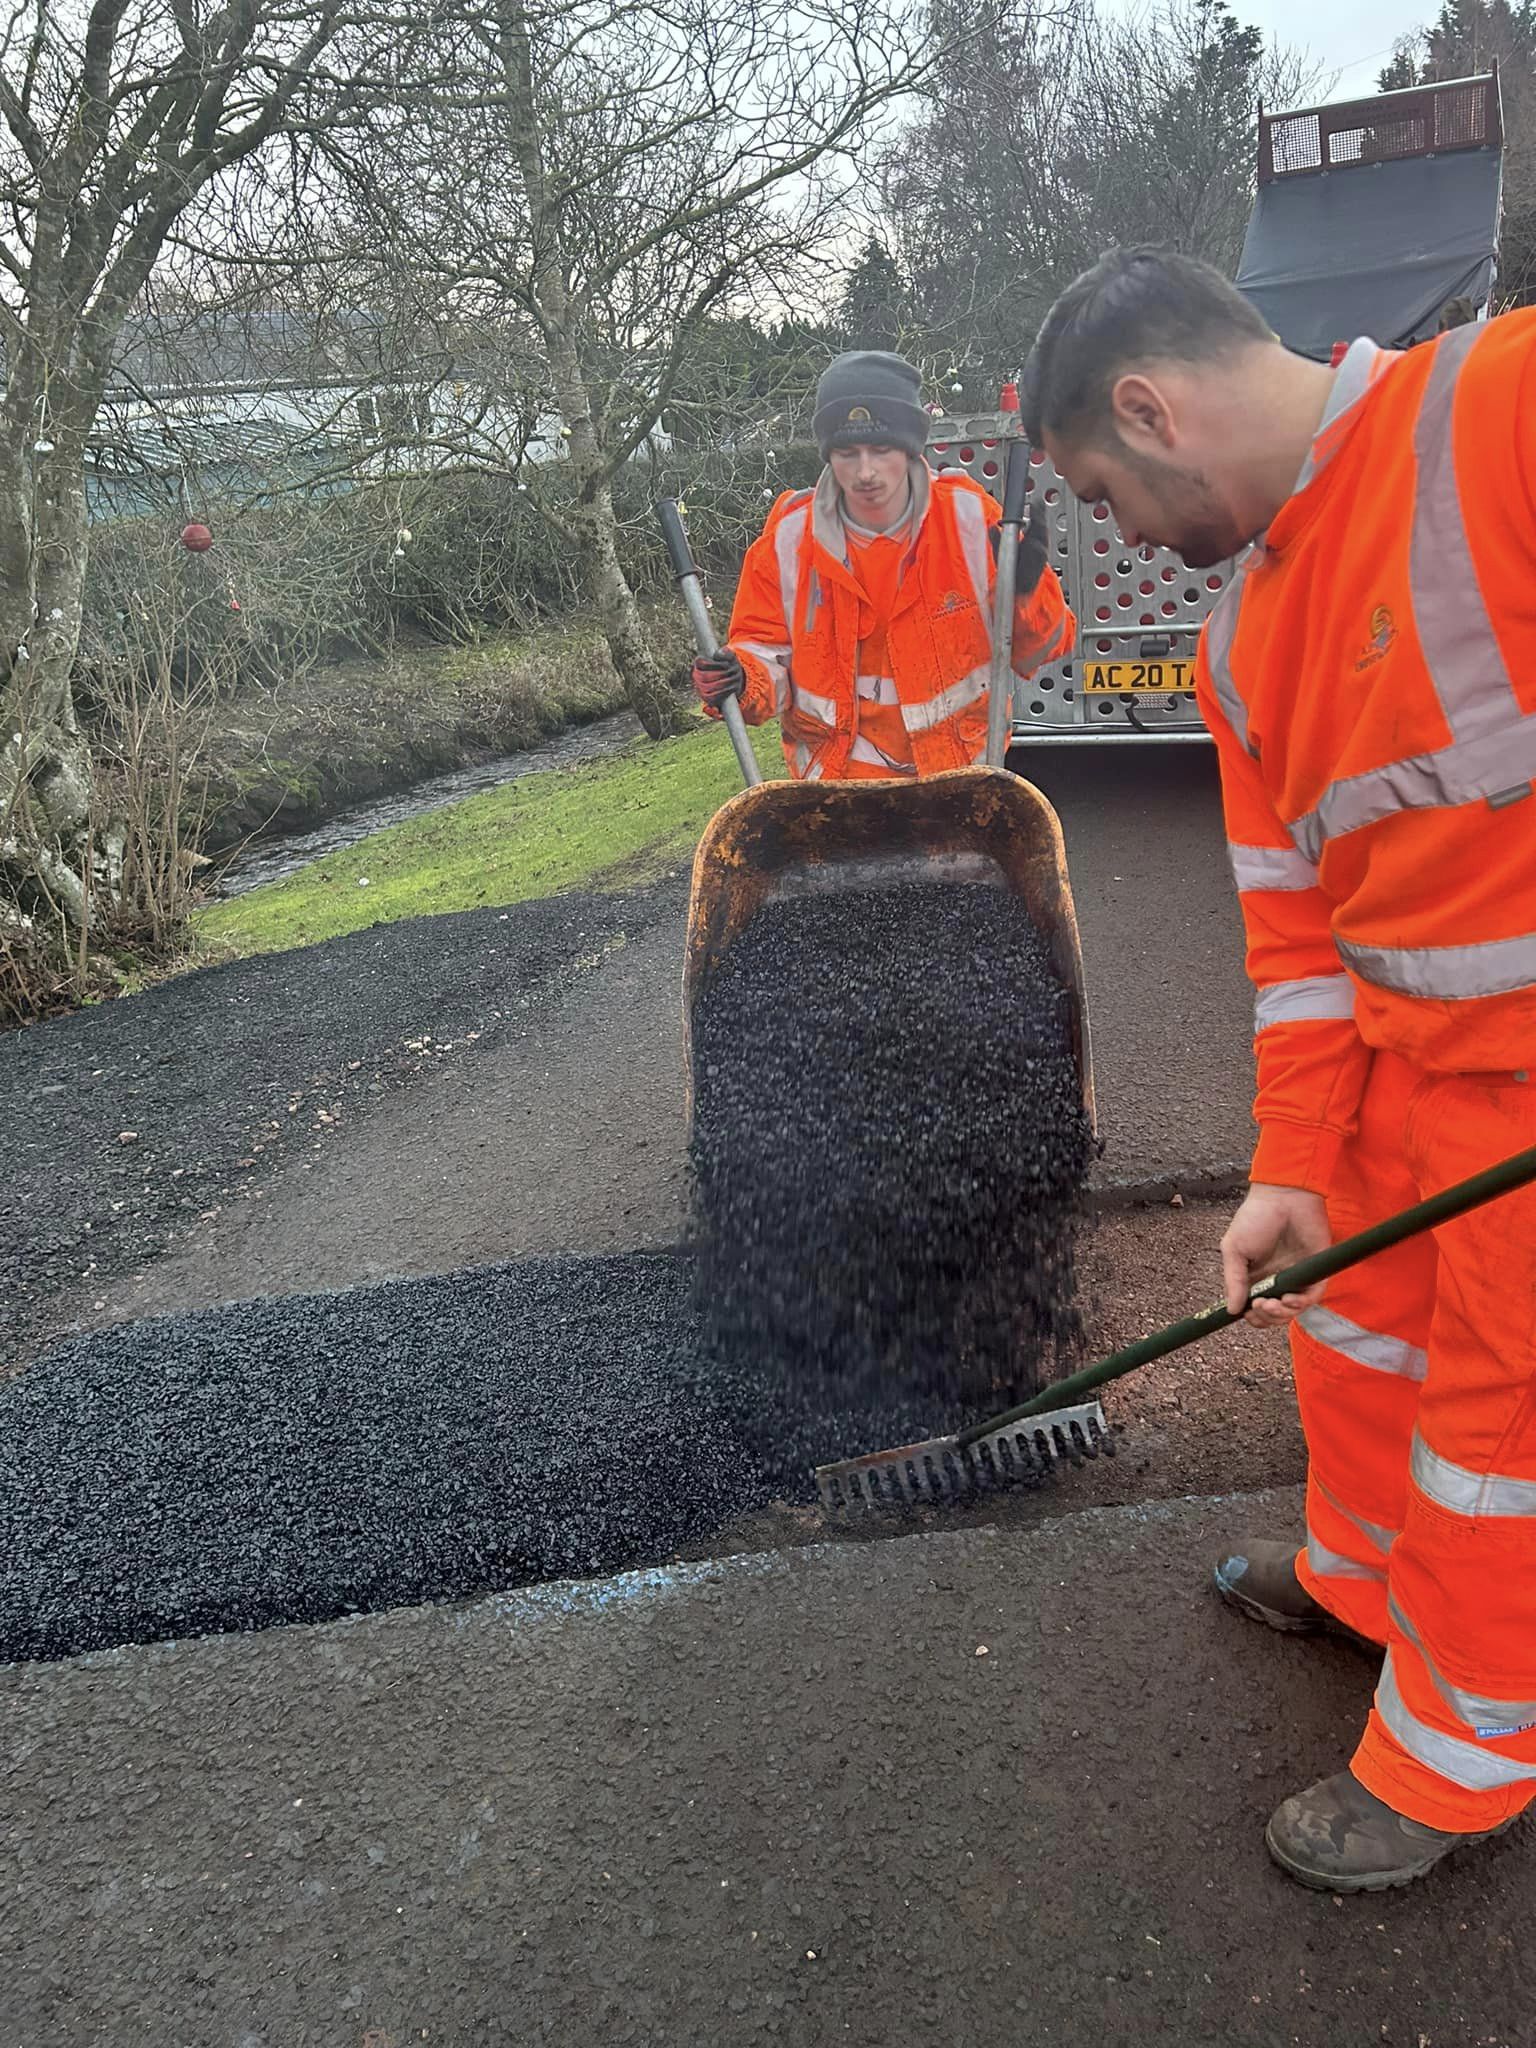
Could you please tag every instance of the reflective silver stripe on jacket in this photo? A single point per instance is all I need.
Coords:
(1312, 999)
(923, 717)
(876, 757)
(1351, 381)
(1449, 973)
(1362, 1346)
(971, 525)
(876, 689)
(1472, 771)
(1270, 867)
(1483, 1714)
(1039, 656)
(821, 708)
(1331, 1564)
(788, 535)
(1220, 632)
(1492, 754)
(1465, 1492)
(776, 661)
(1378, 1532)
(1455, 632)
(1463, 1763)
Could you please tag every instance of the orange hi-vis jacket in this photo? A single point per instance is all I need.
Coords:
(803, 618)
(1369, 677)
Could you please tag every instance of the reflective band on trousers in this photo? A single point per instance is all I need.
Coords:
(1362, 1346)
(1330, 1564)
(1270, 867)
(1465, 1492)
(1447, 973)
(1484, 1715)
(1493, 749)
(1378, 1532)
(1463, 1763)
(921, 717)
(1312, 999)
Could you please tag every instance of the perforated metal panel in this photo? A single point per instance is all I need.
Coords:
(1130, 604)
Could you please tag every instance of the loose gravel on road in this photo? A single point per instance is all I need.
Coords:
(889, 1144)
(123, 1126)
(295, 1460)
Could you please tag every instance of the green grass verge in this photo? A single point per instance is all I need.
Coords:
(613, 823)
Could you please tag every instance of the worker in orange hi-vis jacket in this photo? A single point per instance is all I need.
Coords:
(863, 617)
(1370, 681)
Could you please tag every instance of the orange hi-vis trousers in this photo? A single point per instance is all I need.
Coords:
(1416, 1379)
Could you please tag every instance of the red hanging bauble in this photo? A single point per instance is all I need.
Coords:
(196, 538)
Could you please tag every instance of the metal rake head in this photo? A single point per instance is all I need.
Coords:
(939, 1470)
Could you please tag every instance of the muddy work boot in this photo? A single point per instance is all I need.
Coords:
(1338, 1837)
(1260, 1581)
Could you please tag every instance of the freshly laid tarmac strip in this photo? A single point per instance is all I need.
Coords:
(999, 1788)
(328, 1454)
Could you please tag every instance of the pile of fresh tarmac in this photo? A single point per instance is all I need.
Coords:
(889, 1145)
(299, 1459)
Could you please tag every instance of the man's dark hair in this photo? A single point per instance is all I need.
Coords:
(1135, 306)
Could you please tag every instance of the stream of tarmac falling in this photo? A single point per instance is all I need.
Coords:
(889, 1145)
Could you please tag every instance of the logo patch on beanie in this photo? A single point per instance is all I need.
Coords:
(860, 416)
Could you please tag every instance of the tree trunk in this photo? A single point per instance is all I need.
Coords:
(56, 863)
(592, 517)
(655, 704)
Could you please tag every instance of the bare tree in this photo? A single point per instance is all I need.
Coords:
(593, 186)
(1059, 129)
(116, 118)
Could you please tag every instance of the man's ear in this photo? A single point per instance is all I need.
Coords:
(1140, 412)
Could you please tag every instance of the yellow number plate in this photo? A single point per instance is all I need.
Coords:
(1119, 678)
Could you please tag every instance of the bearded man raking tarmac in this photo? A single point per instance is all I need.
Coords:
(1370, 681)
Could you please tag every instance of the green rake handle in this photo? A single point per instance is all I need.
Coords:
(1516, 1172)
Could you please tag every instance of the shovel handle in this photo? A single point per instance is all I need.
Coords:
(686, 570)
(1517, 1171)
(1000, 696)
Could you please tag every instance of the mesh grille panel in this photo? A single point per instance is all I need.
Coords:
(1121, 597)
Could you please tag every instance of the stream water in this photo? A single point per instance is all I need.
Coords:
(269, 860)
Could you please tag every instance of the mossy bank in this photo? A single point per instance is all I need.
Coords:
(361, 729)
(604, 824)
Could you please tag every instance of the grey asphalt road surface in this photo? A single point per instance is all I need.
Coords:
(561, 1125)
(1170, 1006)
(995, 1788)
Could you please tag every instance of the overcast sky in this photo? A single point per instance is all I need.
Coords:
(1352, 37)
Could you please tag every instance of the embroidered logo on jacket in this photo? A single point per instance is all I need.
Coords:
(1383, 633)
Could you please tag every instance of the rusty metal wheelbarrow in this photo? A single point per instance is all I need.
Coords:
(977, 825)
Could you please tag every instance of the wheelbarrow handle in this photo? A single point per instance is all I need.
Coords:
(686, 570)
(1517, 1171)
